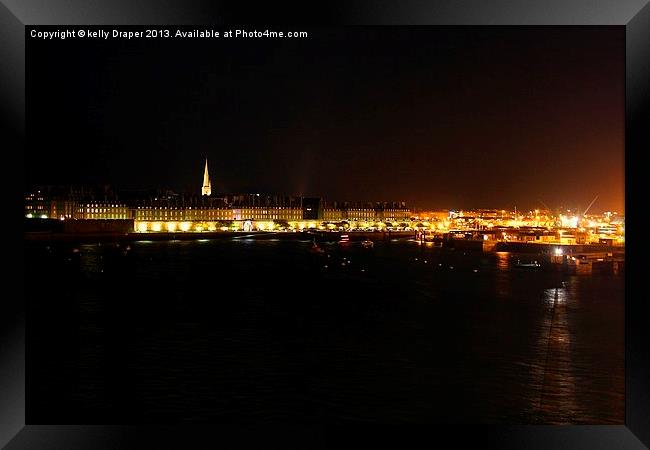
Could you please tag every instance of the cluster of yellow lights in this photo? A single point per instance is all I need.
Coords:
(168, 226)
(265, 226)
(589, 227)
(302, 225)
(569, 221)
(171, 226)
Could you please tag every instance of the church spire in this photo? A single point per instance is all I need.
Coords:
(206, 189)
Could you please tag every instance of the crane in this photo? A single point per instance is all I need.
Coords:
(590, 205)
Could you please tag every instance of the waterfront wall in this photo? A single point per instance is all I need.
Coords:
(98, 226)
(525, 247)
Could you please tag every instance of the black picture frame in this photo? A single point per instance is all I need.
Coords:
(634, 15)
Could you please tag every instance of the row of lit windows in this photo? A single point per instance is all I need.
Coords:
(106, 216)
(179, 213)
(267, 209)
(221, 211)
(96, 207)
(212, 217)
(238, 208)
(104, 210)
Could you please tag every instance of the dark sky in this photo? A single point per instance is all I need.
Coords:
(439, 117)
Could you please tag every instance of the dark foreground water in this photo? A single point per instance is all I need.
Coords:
(264, 331)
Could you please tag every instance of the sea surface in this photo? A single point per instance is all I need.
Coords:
(239, 330)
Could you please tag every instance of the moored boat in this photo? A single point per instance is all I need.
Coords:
(528, 265)
(367, 243)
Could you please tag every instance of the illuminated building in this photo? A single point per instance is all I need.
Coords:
(75, 202)
(64, 209)
(312, 208)
(366, 211)
(166, 211)
(206, 189)
(332, 215)
(163, 211)
(36, 205)
(433, 215)
(102, 210)
(227, 207)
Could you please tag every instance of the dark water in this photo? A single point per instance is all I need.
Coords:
(261, 331)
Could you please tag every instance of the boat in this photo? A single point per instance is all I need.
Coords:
(367, 243)
(529, 265)
(345, 239)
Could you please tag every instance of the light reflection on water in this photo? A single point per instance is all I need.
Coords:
(557, 395)
(502, 275)
(503, 260)
(262, 329)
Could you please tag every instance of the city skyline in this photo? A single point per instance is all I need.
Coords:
(206, 190)
(479, 118)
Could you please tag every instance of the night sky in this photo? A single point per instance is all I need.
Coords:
(437, 117)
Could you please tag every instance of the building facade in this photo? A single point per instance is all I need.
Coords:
(160, 210)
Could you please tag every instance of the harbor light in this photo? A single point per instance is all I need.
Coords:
(569, 221)
(558, 251)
